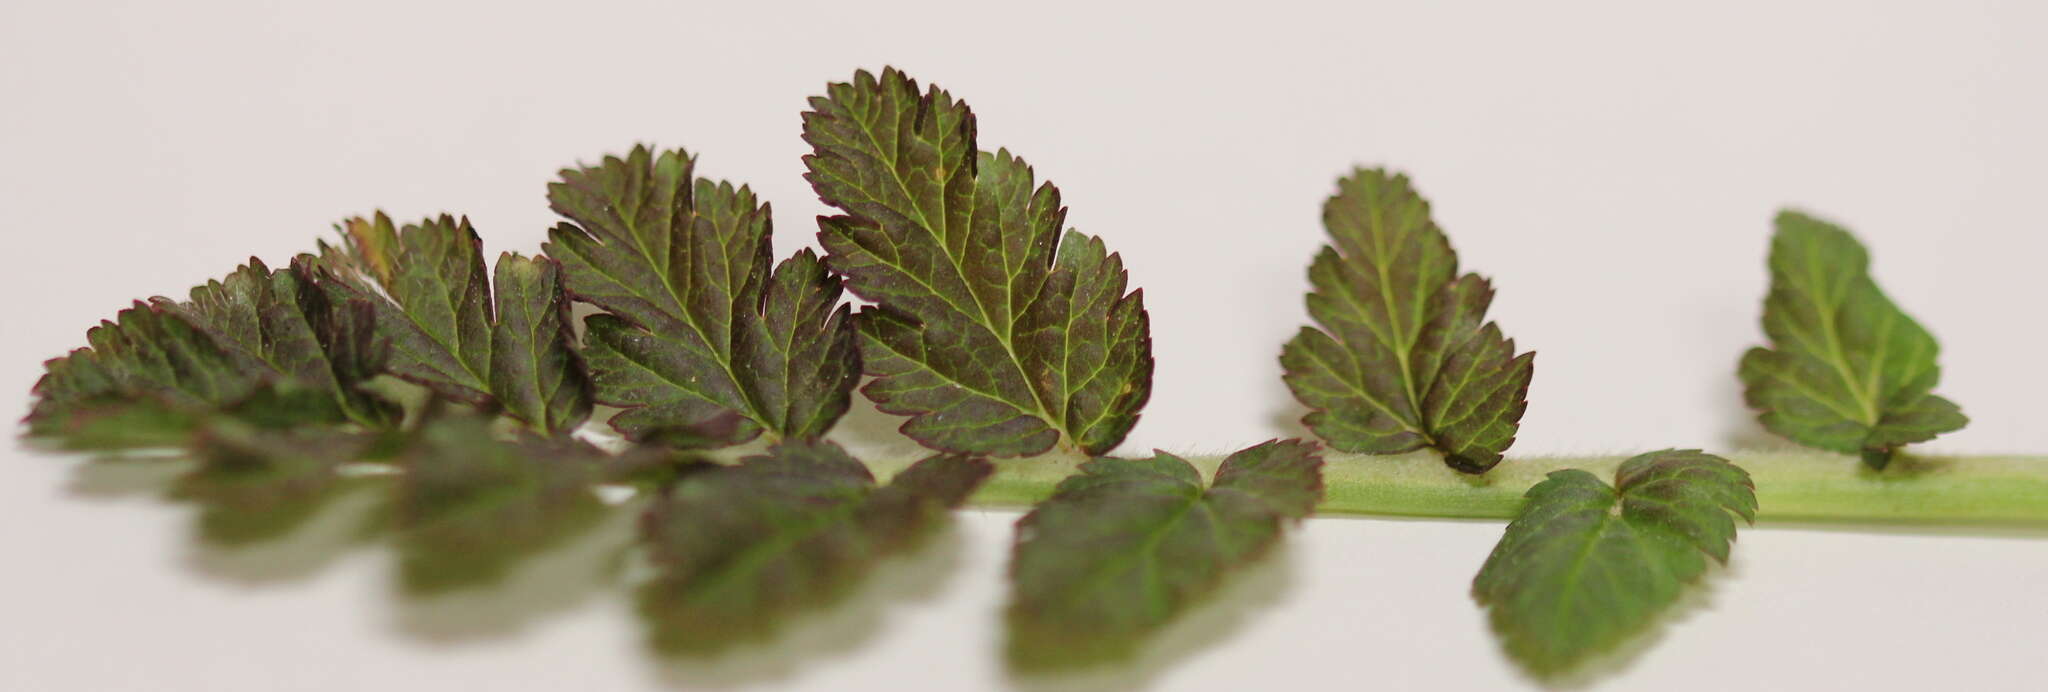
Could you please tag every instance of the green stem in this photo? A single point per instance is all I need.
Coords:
(1802, 486)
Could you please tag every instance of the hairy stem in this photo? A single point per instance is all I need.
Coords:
(1802, 486)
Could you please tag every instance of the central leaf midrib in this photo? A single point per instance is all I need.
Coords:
(299, 318)
(1402, 346)
(1865, 402)
(1581, 559)
(1355, 387)
(533, 356)
(482, 379)
(662, 272)
(216, 387)
(1058, 424)
(454, 349)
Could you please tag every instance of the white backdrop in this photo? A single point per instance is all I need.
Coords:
(1612, 166)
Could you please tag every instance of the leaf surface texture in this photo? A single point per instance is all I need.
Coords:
(278, 347)
(702, 344)
(1125, 545)
(1846, 370)
(742, 547)
(1403, 358)
(993, 329)
(1585, 565)
(500, 340)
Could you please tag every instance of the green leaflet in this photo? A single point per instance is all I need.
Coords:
(1847, 371)
(994, 332)
(514, 350)
(1584, 566)
(148, 365)
(1402, 360)
(273, 347)
(703, 346)
(1126, 544)
(741, 547)
(300, 328)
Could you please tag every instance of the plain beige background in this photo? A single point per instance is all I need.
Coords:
(1613, 166)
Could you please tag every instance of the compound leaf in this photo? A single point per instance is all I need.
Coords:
(740, 547)
(145, 359)
(1585, 565)
(535, 372)
(1847, 370)
(993, 330)
(702, 342)
(294, 325)
(432, 299)
(273, 347)
(1126, 544)
(1403, 359)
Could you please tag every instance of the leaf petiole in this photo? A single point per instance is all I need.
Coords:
(1791, 486)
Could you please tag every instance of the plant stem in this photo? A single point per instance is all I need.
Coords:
(1803, 486)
